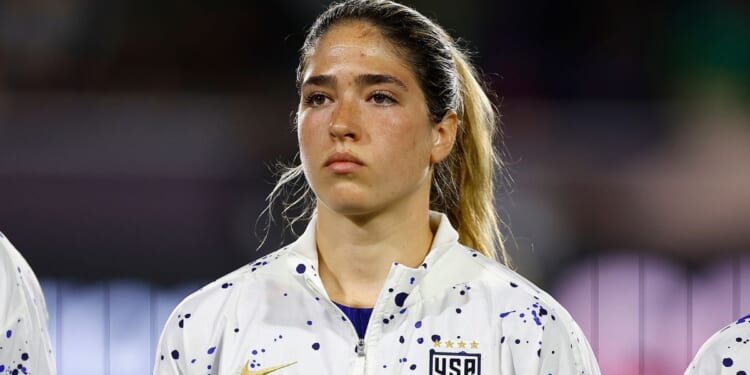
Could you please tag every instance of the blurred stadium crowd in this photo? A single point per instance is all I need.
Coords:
(136, 138)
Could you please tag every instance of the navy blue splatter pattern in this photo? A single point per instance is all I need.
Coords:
(24, 340)
(276, 312)
(726, 352)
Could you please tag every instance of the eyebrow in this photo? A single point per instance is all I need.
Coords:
(373, 79)
(363, 79)
(321, 80)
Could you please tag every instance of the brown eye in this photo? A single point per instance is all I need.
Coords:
(316, 99)
(382, 98)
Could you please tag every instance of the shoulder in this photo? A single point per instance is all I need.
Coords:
(533, 326)
(200, 314)
(505, 288)
(24, 324)
(726, 350)
(496, 281)
(20, 282)
(211, 299)
(515, 292)
(10, 259)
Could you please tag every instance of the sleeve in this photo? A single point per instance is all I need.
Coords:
(24, 338)
(548, 342)
(171, 344)
(726, 352)
(565, 349)
(192, 337)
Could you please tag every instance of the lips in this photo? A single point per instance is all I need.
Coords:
(343, 162)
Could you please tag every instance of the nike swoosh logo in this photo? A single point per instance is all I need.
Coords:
(247, 371)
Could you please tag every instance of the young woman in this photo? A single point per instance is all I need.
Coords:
(395, 272)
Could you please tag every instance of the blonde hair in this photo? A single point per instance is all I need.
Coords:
(470, 167)
(462, 184)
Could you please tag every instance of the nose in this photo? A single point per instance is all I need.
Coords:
(345, 121)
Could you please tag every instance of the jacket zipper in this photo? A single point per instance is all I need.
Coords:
(360, 348)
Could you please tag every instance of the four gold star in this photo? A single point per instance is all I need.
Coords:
(461, 344)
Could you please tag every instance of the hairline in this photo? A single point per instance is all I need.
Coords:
(401, 52)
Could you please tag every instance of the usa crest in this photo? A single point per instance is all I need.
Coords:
(446, 363)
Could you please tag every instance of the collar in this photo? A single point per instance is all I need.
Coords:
(305, 246)
(401, 280)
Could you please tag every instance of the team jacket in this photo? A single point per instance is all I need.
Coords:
(457, 313)
(24, 340)
(727, 352)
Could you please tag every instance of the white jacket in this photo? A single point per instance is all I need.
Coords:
(727, 352)
(458, 313)
(24, 339)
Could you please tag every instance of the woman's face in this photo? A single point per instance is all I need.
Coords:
(366, 142)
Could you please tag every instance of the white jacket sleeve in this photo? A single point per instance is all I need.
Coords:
(24, 340)
(726, 352)
(562, 350)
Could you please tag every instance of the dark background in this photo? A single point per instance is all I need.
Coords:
(136, 138)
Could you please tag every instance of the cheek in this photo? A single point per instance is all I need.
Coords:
(309, 126)
(401, 129)
(410, 140)
(306, 139)
(416, 136)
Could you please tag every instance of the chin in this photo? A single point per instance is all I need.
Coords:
(346, 199)
(348, 207)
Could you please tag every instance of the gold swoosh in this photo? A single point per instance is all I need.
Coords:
(247, 371)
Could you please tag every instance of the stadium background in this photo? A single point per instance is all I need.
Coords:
(136, 138)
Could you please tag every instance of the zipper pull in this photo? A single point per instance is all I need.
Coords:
(361, 347)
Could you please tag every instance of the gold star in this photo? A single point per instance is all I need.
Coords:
(474, 345)
(461, 344)
(449, 344)
(436, 343)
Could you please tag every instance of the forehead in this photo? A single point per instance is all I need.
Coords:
(353, 32)
(357, 42)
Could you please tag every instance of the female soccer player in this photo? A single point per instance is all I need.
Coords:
(395, 272)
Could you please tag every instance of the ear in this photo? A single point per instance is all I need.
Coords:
(443, 136)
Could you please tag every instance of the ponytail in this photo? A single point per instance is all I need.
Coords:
(464, 182)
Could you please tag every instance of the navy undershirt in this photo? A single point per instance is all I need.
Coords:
(358, 316)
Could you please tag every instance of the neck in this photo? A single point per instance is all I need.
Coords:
(356, 253)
